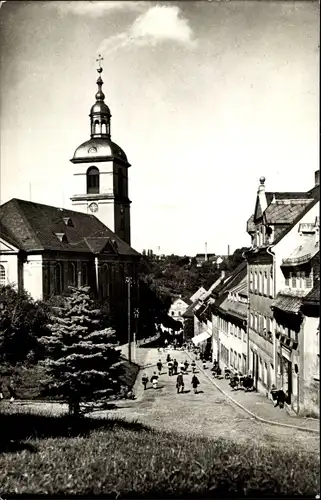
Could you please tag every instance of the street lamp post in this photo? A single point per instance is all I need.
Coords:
(136, 316)
(129, 280)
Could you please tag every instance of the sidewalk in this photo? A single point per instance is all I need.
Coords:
(258, 404)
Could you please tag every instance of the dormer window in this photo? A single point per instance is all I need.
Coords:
(67, 221)
(62, 237)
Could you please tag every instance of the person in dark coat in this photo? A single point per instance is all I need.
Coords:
(144, 381)
(180, 383)
(281, 397)
(186, 365)
(175, 366)
(195, 383)
(159, 366)
(193, 365)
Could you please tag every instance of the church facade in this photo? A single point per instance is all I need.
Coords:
(46, 249)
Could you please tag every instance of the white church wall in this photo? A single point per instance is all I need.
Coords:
(33, 276)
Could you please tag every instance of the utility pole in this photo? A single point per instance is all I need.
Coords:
(136, 315)
(129, 280)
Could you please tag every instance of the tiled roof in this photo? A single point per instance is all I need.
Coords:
(283, 213)
(314, 295)
(189, 313)
(241, 288)
(235, 308)
(290, 195)
(287, 229)
(34, 227)
(287, 303)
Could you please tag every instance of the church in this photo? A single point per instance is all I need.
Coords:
(45, 249)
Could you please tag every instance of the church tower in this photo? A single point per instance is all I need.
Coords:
(100, 178)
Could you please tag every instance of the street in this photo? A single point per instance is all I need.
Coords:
(208, 413)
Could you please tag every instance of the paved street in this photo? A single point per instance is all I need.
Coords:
(209, 413)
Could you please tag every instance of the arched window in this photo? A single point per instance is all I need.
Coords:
(84, 274)
(105, 281)
(71, 274)
(103, 127)
(96, 127)
(2, 275)
(92, 180)
(58, 279)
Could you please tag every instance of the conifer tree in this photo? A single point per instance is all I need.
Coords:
(81, 359)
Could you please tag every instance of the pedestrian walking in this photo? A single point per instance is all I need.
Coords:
(12, 392)
(154, 380)
(186, 365)
(193, 365)
(168, 358)
(181, 366)
(175, 366)
(204, 364)
(280, 400)
(180, 383)
(170, 368)
(159, 366)
(144, 381)
(195, 383)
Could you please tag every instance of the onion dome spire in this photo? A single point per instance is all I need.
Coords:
(100, 113)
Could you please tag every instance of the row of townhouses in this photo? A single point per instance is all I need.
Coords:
(263, 317)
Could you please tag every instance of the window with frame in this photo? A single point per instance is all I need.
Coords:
(58, 279)
(308, 279)
(287, 278)
(258, 282)
(71, 274)
(271, 283)
(2, 275)
(293, 280)
(105, 281)
(265, 281)
(84, 274)
(92, 180)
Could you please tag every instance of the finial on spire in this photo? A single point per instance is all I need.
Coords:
(99, 69)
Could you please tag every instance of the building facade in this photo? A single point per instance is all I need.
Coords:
(273, 230)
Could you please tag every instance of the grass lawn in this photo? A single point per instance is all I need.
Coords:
(44, 454)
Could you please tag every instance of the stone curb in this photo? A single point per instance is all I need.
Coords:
(271, 422)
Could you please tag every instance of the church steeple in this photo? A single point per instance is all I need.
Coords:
(100, 112)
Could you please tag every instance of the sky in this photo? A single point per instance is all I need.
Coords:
(206, 97)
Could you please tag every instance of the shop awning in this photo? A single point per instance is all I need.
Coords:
(200, 338)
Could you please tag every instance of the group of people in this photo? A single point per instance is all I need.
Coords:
(174, 368)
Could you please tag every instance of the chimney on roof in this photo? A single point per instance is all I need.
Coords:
(317, 177)
(228, 250)
(261, 194)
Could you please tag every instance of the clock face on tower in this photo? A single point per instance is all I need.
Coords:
(93, 207)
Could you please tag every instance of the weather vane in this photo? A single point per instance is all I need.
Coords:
(99, 60)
